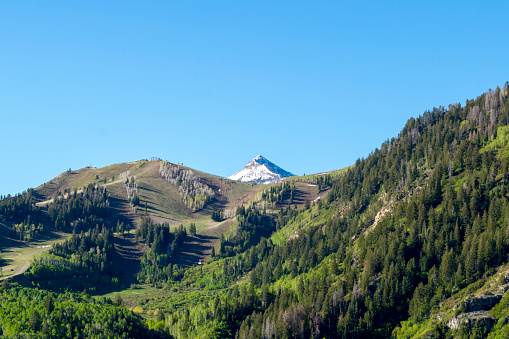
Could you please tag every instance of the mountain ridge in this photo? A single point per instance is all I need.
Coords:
(260, 170)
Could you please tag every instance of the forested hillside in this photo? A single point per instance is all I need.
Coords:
(411, 241)
(33, 313)
(418, 223)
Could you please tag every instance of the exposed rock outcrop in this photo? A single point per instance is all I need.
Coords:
(480, 319)
(477, 315)
(482, 302)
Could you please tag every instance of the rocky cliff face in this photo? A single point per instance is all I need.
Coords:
(482, 302)
(476, 315)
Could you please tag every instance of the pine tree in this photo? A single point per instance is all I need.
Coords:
(48, 304)
(117, 300)
(35, 321)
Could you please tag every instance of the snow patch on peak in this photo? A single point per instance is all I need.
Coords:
(261, 170)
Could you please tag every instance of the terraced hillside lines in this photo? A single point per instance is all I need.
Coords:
(194, 249)
(199, 247)
(232, 190)
(230, 194)
(128, 254)
(220, 200)
(217, 229)
(163, 201)
(80, 190)
(159, 199)
(119, 203)
(305, 192)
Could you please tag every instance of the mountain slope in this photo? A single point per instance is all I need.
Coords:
(162, 199)
(261, 171)
(341, 268)
(411, 241)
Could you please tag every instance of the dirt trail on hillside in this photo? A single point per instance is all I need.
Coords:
(21, 270)
(17, 253)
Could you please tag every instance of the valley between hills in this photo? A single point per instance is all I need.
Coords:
(408, 242)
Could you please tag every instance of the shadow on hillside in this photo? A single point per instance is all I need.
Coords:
(215, 204)
(146, 188)
(125, 246)
(219, 201)
(193, 249)
(151, 208)
(21, 279)
(120, 214)
(127, 257)
(6, 262)
(299, 198)
(8, 238)
(8, 242)
(39, 197)
(45, 237)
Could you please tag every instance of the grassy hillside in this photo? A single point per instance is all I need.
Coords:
(162, 199)
(76, 179)
(17, 254)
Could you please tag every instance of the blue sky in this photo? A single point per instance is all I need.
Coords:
(312, 86)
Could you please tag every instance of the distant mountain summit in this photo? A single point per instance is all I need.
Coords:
(261, 171)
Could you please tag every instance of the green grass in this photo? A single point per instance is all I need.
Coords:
(85, 176)
(19, 253)
(312, 177)
(500, 144)
(163, 200)
(145, 299)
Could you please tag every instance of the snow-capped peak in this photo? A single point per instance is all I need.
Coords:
(260, 170)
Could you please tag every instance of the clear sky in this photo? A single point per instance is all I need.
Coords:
(310, 85)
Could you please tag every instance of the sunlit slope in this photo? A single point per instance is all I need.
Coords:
(159, 199)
